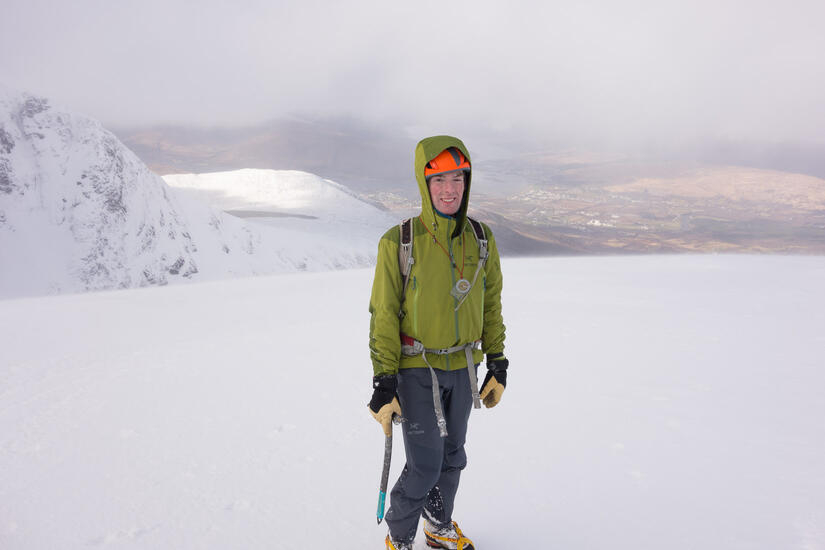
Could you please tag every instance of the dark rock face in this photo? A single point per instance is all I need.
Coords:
(33, 106)
(5, 178)
(6, 141)
(6, 146)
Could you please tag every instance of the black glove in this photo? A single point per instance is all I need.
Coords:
(495, 381)
(384, 403)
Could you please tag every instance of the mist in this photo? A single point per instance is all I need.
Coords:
(638, 75)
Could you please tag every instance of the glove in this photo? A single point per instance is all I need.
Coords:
(384, 403)
(495, 381)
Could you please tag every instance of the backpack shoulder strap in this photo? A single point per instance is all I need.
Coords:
(481, 238)
(405, 256)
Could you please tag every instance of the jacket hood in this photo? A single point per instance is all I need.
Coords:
(426, 150)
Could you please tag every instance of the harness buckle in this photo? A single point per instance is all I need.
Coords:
(410, 346)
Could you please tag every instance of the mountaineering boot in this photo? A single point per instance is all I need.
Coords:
(446, 536)
(393, 544)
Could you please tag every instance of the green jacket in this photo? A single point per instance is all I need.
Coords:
(429, 308)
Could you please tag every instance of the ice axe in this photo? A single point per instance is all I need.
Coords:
(385, 473)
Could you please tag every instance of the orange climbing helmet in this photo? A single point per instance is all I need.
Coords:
(448, 160)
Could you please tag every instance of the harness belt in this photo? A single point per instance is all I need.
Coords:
(410, 347)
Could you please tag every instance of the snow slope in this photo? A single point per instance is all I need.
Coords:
(79, 211)
(289, 192)
(653, 402)
(325, 212)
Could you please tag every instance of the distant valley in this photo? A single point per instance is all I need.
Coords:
(541, 203)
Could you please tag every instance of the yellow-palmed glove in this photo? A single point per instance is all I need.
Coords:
(495, 381)
(384, 403)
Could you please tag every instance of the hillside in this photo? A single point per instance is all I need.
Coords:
(673, 208)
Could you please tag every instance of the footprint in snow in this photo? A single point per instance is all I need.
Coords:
(282, 429)
(115, 537)
(241, 505)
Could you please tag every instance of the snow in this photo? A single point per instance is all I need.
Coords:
(653, 402)
(282, 191)
(79, 211)
(313, 213)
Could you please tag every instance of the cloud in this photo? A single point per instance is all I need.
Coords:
(589, 71)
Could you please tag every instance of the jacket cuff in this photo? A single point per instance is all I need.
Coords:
(385, 382)
(498, 364)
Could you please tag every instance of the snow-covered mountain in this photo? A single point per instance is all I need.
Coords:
(79, 211)
(284, 192)
(290, 200)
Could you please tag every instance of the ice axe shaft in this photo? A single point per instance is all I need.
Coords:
(385, 473)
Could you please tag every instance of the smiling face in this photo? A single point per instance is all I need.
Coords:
(446, 191)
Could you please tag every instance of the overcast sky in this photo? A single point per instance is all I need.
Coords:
(575, 70)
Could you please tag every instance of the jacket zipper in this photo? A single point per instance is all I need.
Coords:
(483, 294)
(452, 272)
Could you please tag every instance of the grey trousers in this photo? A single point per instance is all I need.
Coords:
(429, 481)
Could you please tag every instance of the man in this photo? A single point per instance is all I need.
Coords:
(429, 331)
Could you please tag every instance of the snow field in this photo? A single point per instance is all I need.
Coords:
(663, 401)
